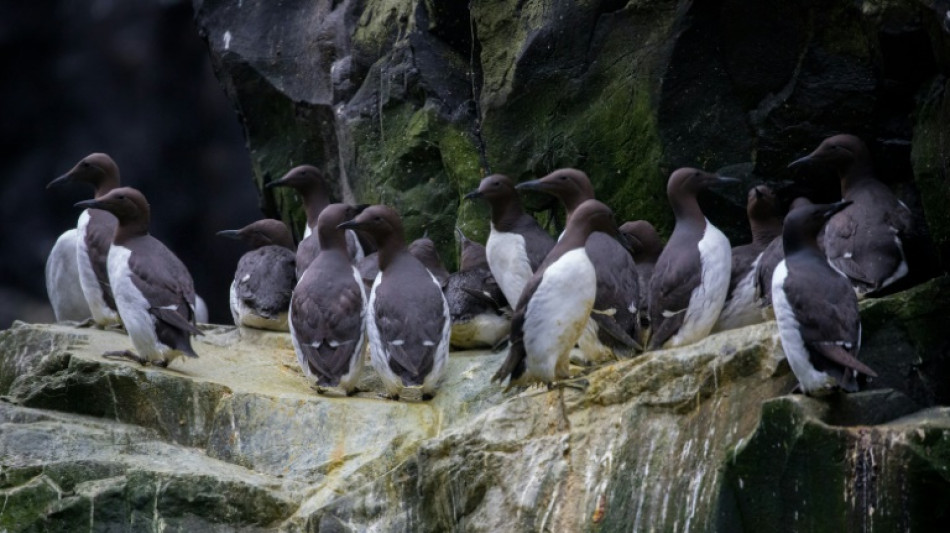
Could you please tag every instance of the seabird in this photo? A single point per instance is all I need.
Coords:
(816, 308)
(771, 257)
(614, 325)
(422, 249)
(691, 276)
(742, 307)
(94, 237)
(328, 308)
(556, 303)
(311, 185)
(62, 280)
(154, 292)
(864, 241)
(516, 245)
(408, 317)
(481, 317)
(646, 246)
(265, 275)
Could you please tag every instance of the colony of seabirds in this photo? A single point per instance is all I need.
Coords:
(596, 293)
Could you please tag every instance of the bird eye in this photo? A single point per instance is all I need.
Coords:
(563, 178)
(377, 219)
(84, 164)
(121, 197)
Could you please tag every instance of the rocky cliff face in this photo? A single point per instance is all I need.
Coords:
(411, 102)
(693, 439)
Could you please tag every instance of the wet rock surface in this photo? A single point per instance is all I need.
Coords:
(412, 102)
(704, 437)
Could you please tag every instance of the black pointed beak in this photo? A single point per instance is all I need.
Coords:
(65, 178)
(533, 185)
(349, 224)
(230, 234)
(800, 162)
(474, 194)
(88, 204)
(834, 208)
(275, 183)
(725, 180)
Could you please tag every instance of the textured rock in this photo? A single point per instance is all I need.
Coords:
(702, 437)
(411, 102)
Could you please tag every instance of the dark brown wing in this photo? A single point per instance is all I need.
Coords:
(826, 309)
(675, 277)
(410, 313)
(618, 289)
(307, 250)
(328, 317)
(514, 365)
(537, 241)
(99, 234)
(264, 280)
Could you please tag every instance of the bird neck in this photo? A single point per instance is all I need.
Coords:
(390, 250)
(505, 212)
(315, 201)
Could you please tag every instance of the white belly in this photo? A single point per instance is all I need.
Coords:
(707, 299)
(133, 308)
(810, 379)
(508, 261)
(741, 309)
(482, 330)
(62, 280)
(101, 313)
(556, 315)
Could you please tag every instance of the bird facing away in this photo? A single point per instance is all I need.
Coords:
(691, 277)
(816, 308)
(479, 312)
(614, 325)
(153, 290)
(516, 244)
(408, 317)
(865, 241)
(328, 309)
(556, 303)
(94, 233)
(422, 248)
(311, 185)
(265, 275)
(646, 246)
(742, 307)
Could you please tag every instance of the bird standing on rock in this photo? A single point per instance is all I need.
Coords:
(691, 277)
(741, 307)
(815, 307)
(94, 234)
(516, 245)
(556, 303)
(328, 308)
(153, 290)
(265, 275)
(614, 327)
(408, 317)
(645, 246)
(865, 241)
(311, 185)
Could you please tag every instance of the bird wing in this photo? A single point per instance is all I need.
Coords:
(412, 350)
(328, 323)
(264, 279)
(674, 279)
(165, 283)
(833, 331)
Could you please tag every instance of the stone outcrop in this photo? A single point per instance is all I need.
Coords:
(411, 102)
(704, 437)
